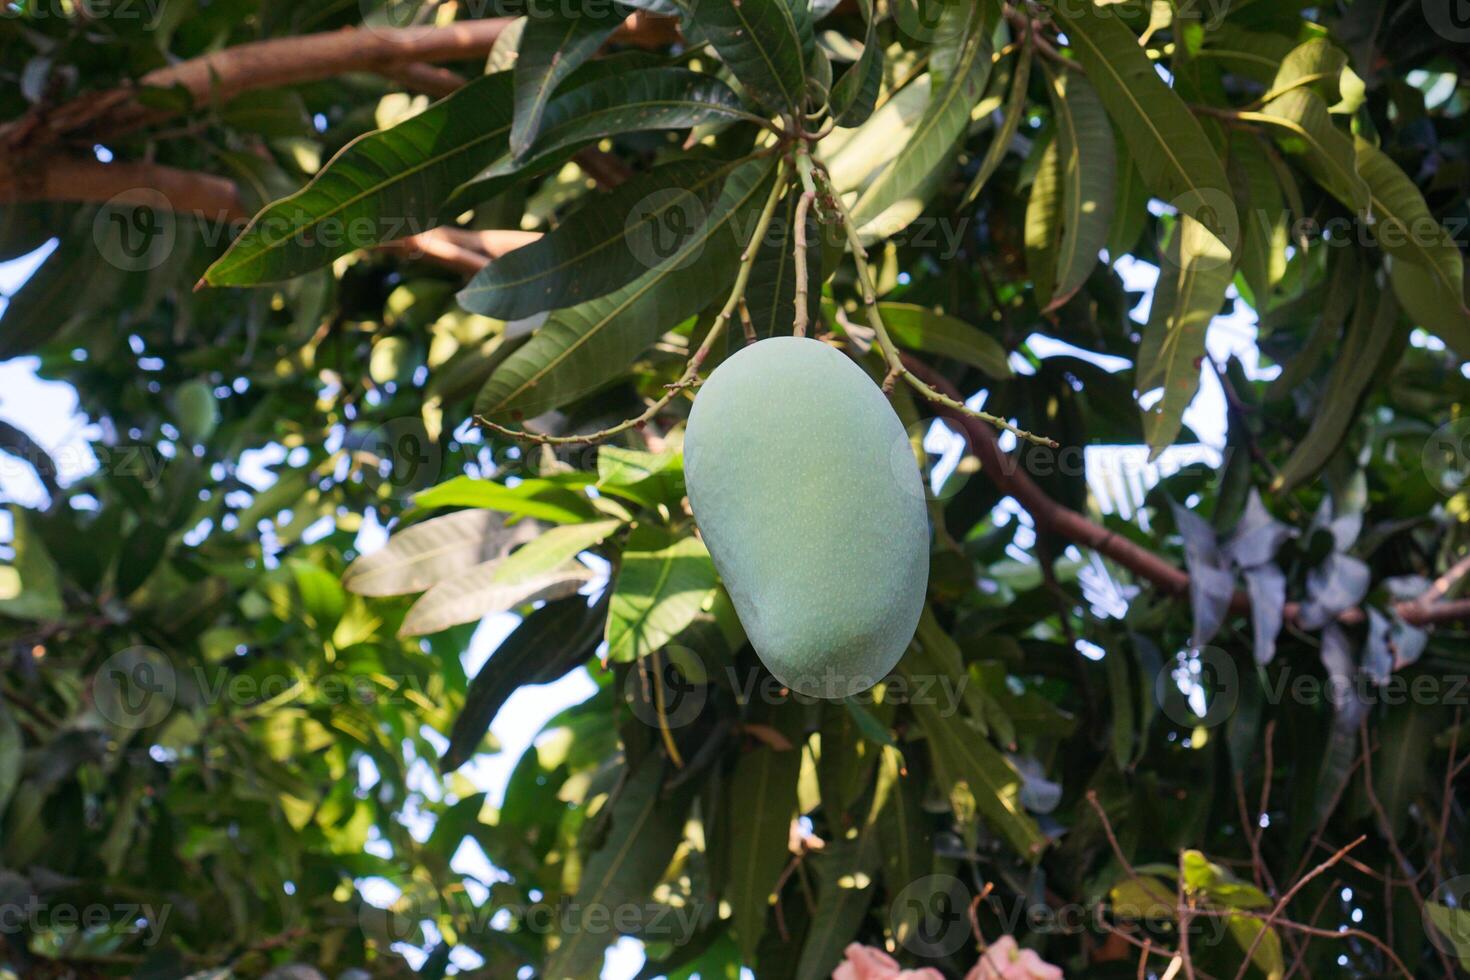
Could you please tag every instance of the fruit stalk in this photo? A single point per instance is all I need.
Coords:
(896, 368)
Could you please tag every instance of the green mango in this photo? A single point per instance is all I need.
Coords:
(805, 488)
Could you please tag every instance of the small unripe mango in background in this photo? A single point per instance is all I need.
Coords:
(807, 494)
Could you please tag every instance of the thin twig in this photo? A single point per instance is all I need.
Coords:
(890, 351)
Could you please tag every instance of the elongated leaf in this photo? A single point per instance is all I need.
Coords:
(922, 329)
(978, 779)
(1174, 342)
(1367, 339)
(1072, 199)
(430, 552)
(577, 349)
(661, 585)
(1130, 203)
(11, 750)
(379, 187)
(646, 828)
(762, 802)
(1337, 303)
(1265, 236)
(542, 499)
(1174, 157)
(903, 841)
(1427, 269)
(846, 874)
(855, 93)
(1015, 109)
(478, 593)
(1316, 63)
(955, 91)
(767, 45)
(1299, 122)
(605, 245)
(548, 644)
(630, 101)
(551, 46)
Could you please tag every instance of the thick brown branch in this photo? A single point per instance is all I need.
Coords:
(82, 179)
(221, 75)
(1006, 472)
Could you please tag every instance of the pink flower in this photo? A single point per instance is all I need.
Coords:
(868, 963)
(1004, 960)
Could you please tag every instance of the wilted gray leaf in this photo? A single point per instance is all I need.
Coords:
(1348, 712)
(1392, 645)
(1038, 794)
(420, 556)
(1258, 536)
(1211, 583)
(1267, 587)
(1339, 583)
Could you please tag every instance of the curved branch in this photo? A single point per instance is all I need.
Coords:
(221, 75)
(1052, 516)
(83, 179)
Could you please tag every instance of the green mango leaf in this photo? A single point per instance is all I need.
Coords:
(1005, 135)
(767, 45)
(1316, 63)
(544, 568)
(846, 873)
(762, 801)
(662, 583)
(953, 93)
(1368, 338)
(1071, 202)
(434, 550)
(1175, 158)
(646, 827)
(552, 45)
(381, 186)
(1299, 122)
(604, 245)
(629, 101)
(547, 645)
(11, 755)
(545, 500)
(923, 329)
(856, 92)
(577, 349)
(1426, 268)
(1191, 288)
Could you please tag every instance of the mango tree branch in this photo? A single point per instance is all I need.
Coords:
(84, 179)
(221, 75)
(1006, 473)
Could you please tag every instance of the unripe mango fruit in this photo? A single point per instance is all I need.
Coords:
(805, 488)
